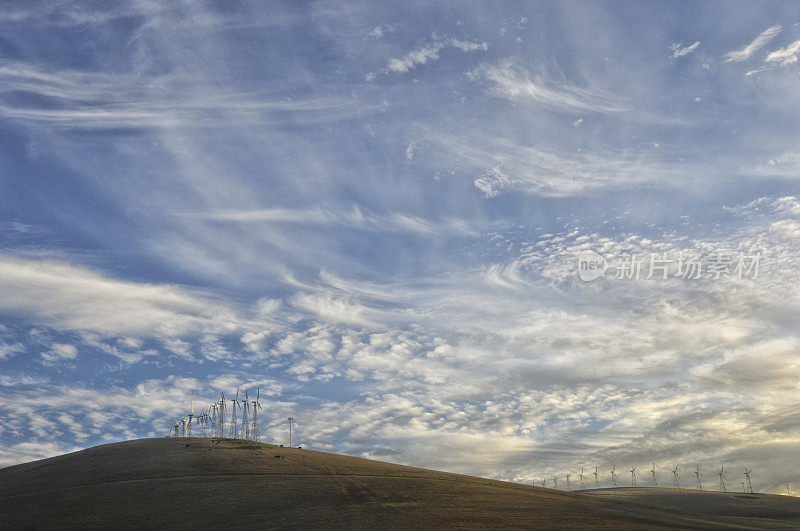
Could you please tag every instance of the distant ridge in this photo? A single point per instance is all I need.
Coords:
(212, 483)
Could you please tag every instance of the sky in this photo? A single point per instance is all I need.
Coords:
(373, 213)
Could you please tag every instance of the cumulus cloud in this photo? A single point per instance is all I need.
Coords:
(759, 42)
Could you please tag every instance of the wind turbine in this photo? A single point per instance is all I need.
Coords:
(653, 473)
(722, 478)
(613, 476)
(633, 476)
(697, 475)
(234, 425)
(222, 416)
(555, 482)
(675, 477)
(544, 483)
(246, 417)
(214, 420)
(256, 406)
(189, 424)
(747, 475)
(596, 481)
(583, 486)
(569, 486)
(291, 420)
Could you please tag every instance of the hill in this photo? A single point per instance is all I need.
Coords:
(155, 483)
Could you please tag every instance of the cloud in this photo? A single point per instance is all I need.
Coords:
(73, 298)
(354, 218)
(115, 100)
(60, 351)
(514, 83)
(785, 56)
(504, 164)
(759, 42)
(423, 54)
(8, 350)
(678, 50)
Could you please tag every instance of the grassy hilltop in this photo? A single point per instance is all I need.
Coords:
(182, 482)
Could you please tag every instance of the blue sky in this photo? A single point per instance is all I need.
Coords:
(373, 213)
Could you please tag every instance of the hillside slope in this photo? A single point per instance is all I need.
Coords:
(225, 483)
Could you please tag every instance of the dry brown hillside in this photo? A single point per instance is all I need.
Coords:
(161, 483)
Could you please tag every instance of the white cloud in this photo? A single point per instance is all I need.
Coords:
(60, 351)
(679, 50)
(785, 56)
(759, 42)
(8, 350)
(70, 297)
(423, 54)
(514, 83)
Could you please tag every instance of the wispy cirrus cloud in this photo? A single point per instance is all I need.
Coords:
(513, 82)
(70, 297)
(764, 38)
(424, 54)
(679, 50)
(785, 56)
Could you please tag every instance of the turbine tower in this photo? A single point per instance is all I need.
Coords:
(747, 476)
(697, 475)
(555, 482)
(583, 486)
(653, 473)
(291, 420)
(633, 476)
(189, 424)
(569, 486)
(246, 417)
(722, 478)
(596, 481)
(613, 476)
(256, 435)
(544, 483)
(214, 419)
(234, 434)
(222, 416)
(675, 477)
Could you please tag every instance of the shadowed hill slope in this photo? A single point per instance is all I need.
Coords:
(224, 483)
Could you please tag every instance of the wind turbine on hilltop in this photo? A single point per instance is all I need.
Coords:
(675, 477)
(613, 476)
(653, 473)
(697, 475)
(189, 424)
(583, 486)
(555, 482)
(596, 481)
(633, 476)
(747, 476)
(222, 416)
(246, 417)
(722, 478)
(569, 486)
(234, 425)
(256, 406)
